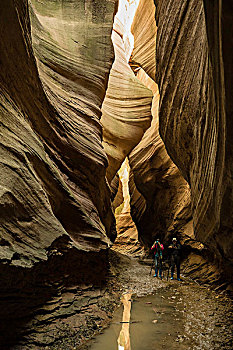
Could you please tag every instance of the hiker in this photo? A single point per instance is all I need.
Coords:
(157, 249)
(175, 254)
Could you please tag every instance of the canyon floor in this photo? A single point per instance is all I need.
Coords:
(181, 315)
(165, 314)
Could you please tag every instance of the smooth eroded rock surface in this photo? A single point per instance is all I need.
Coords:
(55, 210)
(160, 197)
(144, 31)
(52, 161)
(126, 111)
(126, 241)
(194, 74)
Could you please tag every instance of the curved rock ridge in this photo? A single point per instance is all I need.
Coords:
(52, 160)
(165, 193)
(116, 191)
(144, 32)
(126, 111)
(126, 241)
(196, 109)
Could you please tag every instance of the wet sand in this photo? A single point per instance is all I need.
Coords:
(169, 314)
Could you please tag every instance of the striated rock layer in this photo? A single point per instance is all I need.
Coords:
(50, 133)
(126, 115)
(194, 74)
(126, 111)
(144, 32)
(54, 198)
(160, 197)
(127, 234)
(56, 217)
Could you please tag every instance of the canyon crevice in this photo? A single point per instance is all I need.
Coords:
(86, 85)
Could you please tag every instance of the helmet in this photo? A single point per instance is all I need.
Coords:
(174, 239)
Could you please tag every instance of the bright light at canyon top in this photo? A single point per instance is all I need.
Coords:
(126, 13)
(124, 178)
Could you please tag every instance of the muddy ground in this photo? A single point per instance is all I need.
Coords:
(201, 318)
(188, 316)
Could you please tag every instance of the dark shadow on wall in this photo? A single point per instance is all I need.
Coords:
(33, 301)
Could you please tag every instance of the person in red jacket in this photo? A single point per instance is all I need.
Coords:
(157, 248)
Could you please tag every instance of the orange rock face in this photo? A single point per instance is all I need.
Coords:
(127, 241)
(144, 31)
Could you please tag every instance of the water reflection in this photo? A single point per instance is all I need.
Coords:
(153, 325)
(124, 337)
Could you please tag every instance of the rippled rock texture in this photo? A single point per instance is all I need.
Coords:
(144, 31)
(194, 74)
(126, 111)
(56, 218)
(127, 241)
(160, 197)
(50, 131)
(53, 189)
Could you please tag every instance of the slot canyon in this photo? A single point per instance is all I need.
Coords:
(115, 130)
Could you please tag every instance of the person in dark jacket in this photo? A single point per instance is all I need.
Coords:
(157, 249)
(175, 256)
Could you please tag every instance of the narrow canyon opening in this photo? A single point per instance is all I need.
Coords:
(115, 127)
(155, 187)
(126, 241)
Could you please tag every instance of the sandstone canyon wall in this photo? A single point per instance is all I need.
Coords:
(54, 198)
(194, 75)
(127, 241)
(160, 197)
(193, 72)
(126, 111)
(51, 136)
(156, 181)
(56, 218)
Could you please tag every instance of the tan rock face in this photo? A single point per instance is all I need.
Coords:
(144, 31)
(194, 75)
(126, 111)
(160, 196)
(55, 209)
(52, 161)
(55, 202)
(126, 115)
(127, 234)
(54, 197)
